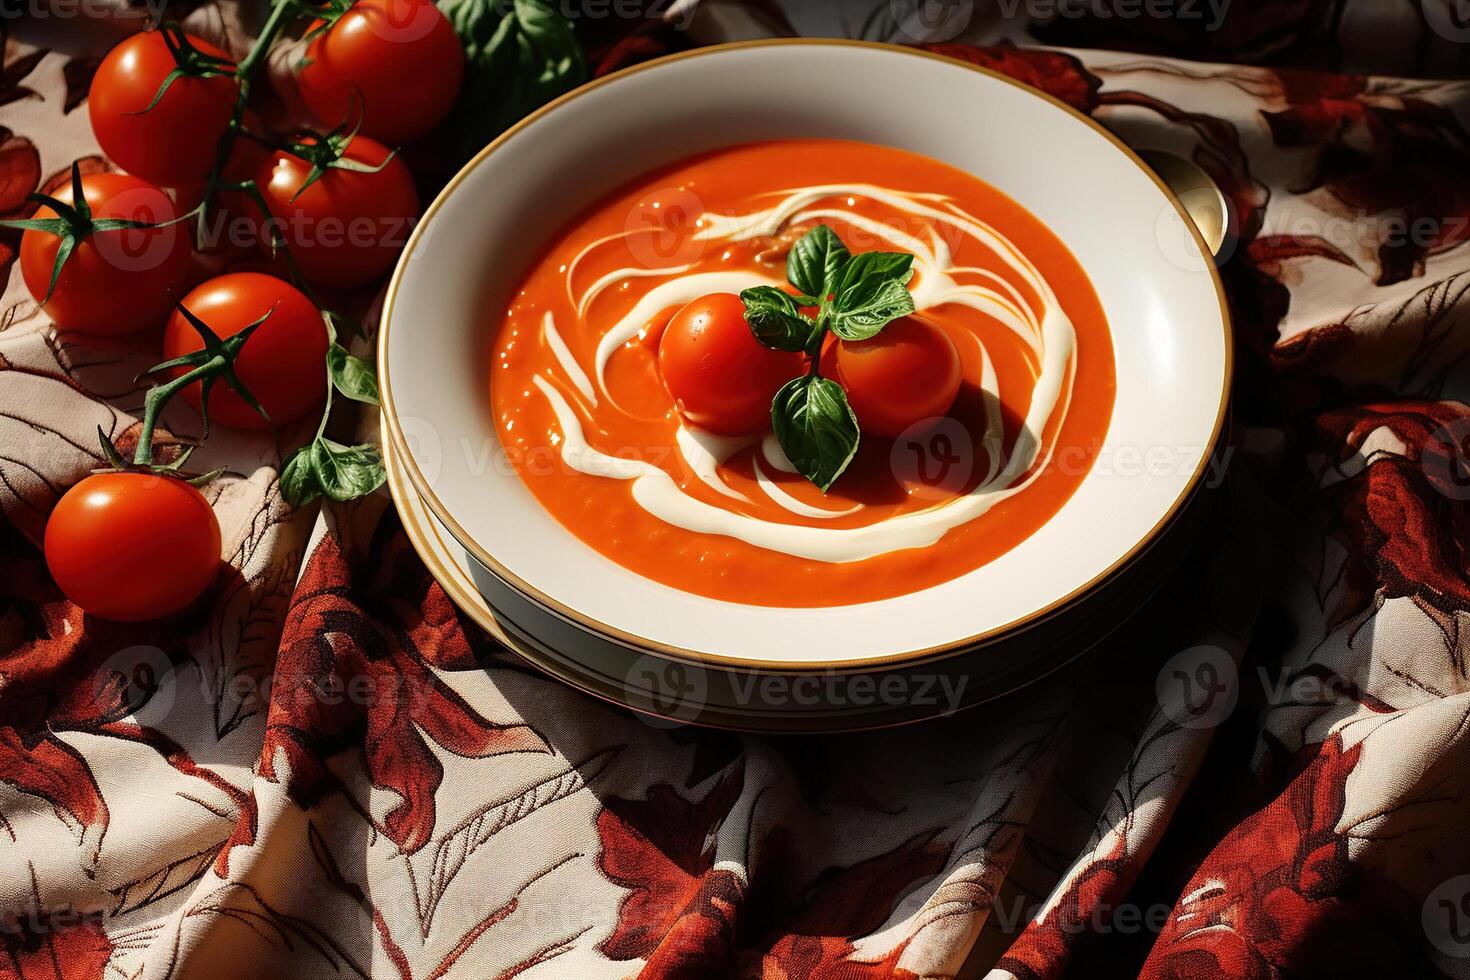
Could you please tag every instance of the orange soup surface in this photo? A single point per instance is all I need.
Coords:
(585, 417)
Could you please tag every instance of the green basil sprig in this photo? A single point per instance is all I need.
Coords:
(519, 55)
(323, 467)
(856, 296)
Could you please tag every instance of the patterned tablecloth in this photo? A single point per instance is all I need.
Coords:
(320, 770)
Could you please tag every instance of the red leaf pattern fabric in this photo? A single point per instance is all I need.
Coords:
(323, 769)
(66, 948)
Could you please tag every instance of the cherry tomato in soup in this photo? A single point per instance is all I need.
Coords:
(721, 378)
(114, 282)
(397, 62)
(174, 142)
(348, 227)
(132, 546)
(282, 363)
(907, 373)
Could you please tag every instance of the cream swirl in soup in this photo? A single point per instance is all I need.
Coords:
(582, 409)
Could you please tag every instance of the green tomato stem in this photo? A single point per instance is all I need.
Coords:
(280, 16)
(321, 427)
(282, 12)
(158, 396)
(814, 348)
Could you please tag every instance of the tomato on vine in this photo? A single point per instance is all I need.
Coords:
(152, 117)
(283, 364)
(233, 220)
(398, 60)
(132, 546)
(103, 255)
(138, 541)
(343, 206)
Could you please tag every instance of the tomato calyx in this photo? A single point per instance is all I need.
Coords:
(189, 62)
(328, 151)
(174, 468)
(73, 224)
(213, 362)
(281, 14)
(327, 14)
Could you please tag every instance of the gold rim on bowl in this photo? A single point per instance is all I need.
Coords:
(433, 547)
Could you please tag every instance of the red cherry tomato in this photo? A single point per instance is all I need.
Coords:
(907, 373)
(397, 62)
(282, 364)
(174, 142)
(132, 546)
(115, 282)
(721, 378)
(348, 227)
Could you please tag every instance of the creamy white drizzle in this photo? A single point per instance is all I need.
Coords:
(564, 357)
(656, 492)
(571, 268)
(994, 433)
(705, 451)
(618, 275)
(1044, 327)
(775, 455)
(774, 491)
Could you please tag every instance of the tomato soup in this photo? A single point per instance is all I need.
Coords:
(585, 417)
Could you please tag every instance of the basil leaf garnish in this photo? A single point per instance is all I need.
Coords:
(856, 296)
(816, 428)
(873, 304)
(870, 268)
(871, 291)
(814, 261)
(775, 319)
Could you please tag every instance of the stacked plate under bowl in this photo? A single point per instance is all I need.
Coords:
(587, 620)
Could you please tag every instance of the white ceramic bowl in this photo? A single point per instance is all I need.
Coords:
(1165, 306)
